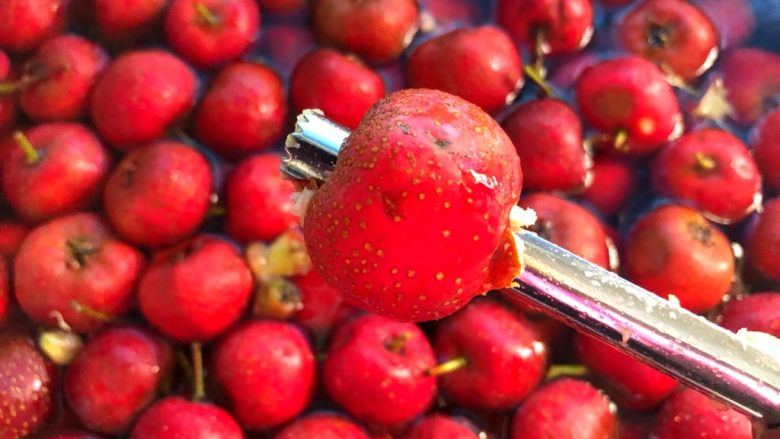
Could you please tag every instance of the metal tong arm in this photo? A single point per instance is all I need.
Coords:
(590, 298)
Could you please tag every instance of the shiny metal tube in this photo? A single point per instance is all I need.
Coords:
(590, 298)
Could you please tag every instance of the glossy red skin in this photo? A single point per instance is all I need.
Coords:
(763, 241)
(243, 111)
(633, 384)
(568, 23)
(566, 408)
(258, 200)
(547, 134)
(757, 312)
(205, 45)
(506, 358)
(73, 64)
(12, 235)
(115, 376)
(480, 65)
(176, 417)
(27, 386)
(569, 69)
(614, 181)
(4, 293)
(323, 308)
(158, 194)
(373, 383)
(439, 426)
(282, 6)
(341, 86)
(727, 193)
(24, 24)
(377, 30)
(120, 20)
(395, 187)
(692, 41)
(8, 103)
(629, 93)
(322, 426)
(196, 289)
(69, 175)
(733, 19)
(266, 369)
(751, 77)
(140, 95)
(689, 413)
(674, 250)
(765, 140)
(284, 44)
(570, 226)
(105, 283)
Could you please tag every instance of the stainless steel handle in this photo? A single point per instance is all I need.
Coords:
(590, 298)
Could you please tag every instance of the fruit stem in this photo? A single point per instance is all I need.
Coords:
(198, 388)
(206, 15)
(446, 367)
(704, 163)
(32, 155)
(79, 250)
(533, 73)
(397, 342)
(557, 370)
(90, 312)
(620, 140)
(540, 44)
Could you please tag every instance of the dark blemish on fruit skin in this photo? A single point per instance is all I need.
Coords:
(702, 233)
(443, 143)
(658, 35)
(406, 129)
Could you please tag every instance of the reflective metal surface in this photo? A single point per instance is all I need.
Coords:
(686, 346)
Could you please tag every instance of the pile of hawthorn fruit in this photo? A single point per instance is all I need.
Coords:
(154, 277)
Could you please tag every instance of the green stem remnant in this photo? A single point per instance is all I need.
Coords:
(537, 76)
(90, 312)
(198, 387)
(558, 370)
(446, 367)
(32, 155)
(206, 15)
(396, 343)
(704, 163)
(620, 140)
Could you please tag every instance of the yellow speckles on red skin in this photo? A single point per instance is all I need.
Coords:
(410, 274)
(439, 276)
(446, 233)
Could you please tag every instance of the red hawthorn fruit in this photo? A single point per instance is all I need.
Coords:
(8, 104)
(629, 94)
(115, 376)
(121, 20)
(175, 417)
(4, 293)
(570, 226)
(258, 200)
(12, 235)
(140, 95)
(207, 33)
(752, 80)
(24, 24)
(53, 169)
(766, 147)
(757, 312)
(27, 387)
(71, 435)
(266, 369)
(763, 241)
(322, 426)
(633, 384)
(481, 65)
(689, 413)
(376, 30)
(565, 408)
(505, 359)
(158, 194)
(243, 110)
(713, 171)
(440, 426)
(196, 289)
(376, 370)
(569, 69)
(439, 157)
(547, 134)
(675, 250)
(614, 181)
(450, 14)
(339, 85)
(77, 261)
(676, 35)
(565, 26)
(282, 6)
(61, 74)
(322, 307)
